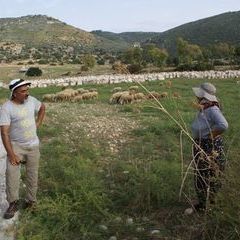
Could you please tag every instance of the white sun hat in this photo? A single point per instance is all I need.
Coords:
(15, 83)
(207, 91)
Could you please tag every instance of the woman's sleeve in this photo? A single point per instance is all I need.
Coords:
(219, 121)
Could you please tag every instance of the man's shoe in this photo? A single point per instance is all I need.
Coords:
(12, 209)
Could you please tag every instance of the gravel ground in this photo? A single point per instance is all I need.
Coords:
(101, 123)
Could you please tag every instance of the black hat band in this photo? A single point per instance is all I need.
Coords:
(15, 84)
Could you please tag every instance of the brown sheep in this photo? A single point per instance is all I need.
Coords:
(49, 98)
(82, 90)
(116, 89)
(115, 97)
(138, 96)
(153, 95)
(176, 95)
(163, 95)
(89, 95)
(133, 89)
(125, 98)
(77, 98)
(66, 94)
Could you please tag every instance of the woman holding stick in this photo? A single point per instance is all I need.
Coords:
(208, 152)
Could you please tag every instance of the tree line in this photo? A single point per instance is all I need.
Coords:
(135, 59)
(188, 56)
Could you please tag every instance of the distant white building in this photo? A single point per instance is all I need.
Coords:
(136, 45)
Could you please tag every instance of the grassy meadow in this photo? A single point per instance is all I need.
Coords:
(115, 172)
(11, 71)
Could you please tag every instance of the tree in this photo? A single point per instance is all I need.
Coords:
(187, 53)
(89, 60)
(237, 54)
(157, 56)
(34, 71)
(146, 52)
(222, 51)
(133, 55)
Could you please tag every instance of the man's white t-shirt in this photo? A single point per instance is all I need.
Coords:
(21, 119)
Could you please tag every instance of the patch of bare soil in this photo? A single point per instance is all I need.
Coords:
(101, 123)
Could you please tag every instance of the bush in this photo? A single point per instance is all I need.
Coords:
(120, 68)
(195, 67)
(220, 62)
(134, 68)
(34, 71)
(76, 61)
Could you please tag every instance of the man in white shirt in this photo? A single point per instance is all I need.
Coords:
(19, 119)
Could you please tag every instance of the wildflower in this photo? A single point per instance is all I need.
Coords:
(153, 232)
(113, 238)
(103, 227)
(129, 221)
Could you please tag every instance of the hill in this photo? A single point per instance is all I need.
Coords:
(220, 28)
(39, 29)
(126, 37)
(44, 36)
(110, 41)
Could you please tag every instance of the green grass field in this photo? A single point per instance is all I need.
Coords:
(110, 170)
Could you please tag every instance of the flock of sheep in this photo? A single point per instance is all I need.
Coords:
(133, 95)
(71, 95)
(117, 78)
(118, 96)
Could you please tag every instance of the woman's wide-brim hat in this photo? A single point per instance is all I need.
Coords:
(16, 83)
(207, 91)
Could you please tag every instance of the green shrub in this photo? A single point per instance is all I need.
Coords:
(202, 66)
(76, 61)
(134, 68)
(34, 71)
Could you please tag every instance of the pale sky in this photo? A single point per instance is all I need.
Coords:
(120, 15)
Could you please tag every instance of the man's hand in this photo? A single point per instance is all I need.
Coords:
(14, 160)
